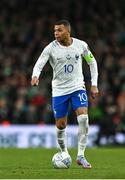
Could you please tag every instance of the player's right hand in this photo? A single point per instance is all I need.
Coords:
(34, 81)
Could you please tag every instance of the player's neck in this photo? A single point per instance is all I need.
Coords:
(66, 42)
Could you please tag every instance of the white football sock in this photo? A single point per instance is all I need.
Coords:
(61, 139)
(82, 133)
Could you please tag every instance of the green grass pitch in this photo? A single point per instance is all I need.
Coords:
(108, 163)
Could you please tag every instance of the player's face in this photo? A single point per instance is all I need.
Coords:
(61, 32)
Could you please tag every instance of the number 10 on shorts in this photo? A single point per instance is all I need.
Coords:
(82, 97)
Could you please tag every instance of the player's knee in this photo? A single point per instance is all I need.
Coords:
(61, 124)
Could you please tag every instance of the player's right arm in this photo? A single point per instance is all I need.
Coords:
(42, 60)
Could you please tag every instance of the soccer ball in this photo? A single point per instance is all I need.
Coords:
(61, 160)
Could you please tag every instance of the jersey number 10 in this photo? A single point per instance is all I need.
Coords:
(68, 68)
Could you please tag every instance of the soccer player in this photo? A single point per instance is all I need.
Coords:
(65, 55)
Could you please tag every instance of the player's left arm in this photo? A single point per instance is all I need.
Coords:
(88, 56)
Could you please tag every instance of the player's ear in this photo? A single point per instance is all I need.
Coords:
(69, 30)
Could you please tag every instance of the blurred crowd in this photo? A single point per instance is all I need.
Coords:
(26, 27)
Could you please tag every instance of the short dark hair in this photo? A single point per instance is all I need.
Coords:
(65, 23)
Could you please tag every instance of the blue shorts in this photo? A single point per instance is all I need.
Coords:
(60, 104)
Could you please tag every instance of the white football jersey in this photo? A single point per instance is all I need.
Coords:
(67, 66)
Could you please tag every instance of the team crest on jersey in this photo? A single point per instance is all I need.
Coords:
(76, 58)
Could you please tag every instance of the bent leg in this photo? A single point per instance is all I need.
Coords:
(60, 109)
(61, 133)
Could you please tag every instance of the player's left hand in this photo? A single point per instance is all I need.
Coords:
(94, 91)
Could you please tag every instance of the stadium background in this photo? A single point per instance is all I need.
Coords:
(26, 27)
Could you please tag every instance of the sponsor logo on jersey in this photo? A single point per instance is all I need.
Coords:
(59, 59)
